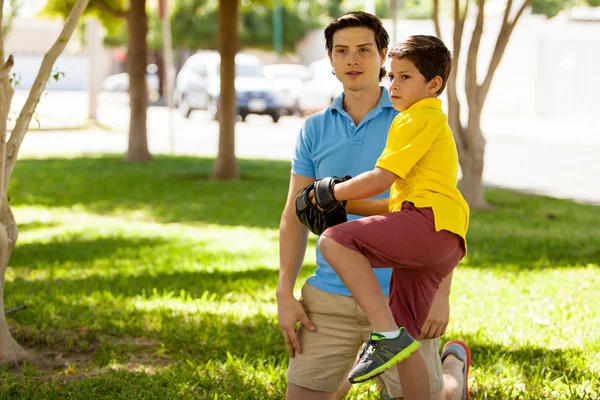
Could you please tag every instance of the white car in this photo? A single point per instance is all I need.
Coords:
(198, 86)
(120, 83)
(323, 87)
(288, 80)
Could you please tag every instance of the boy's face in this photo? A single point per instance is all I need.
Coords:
(355, 58)
(408, 85)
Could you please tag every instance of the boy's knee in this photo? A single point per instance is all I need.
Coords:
(325, 245)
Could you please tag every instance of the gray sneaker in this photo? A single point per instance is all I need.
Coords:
(381, 354)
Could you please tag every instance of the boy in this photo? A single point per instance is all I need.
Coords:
(423, 237)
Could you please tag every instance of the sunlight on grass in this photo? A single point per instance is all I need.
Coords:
(173, 295)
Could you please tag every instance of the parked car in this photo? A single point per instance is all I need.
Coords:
(198, 86)
(322, 88)
(120, 82)
(288, 80)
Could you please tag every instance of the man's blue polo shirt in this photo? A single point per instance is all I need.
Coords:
(329, 144)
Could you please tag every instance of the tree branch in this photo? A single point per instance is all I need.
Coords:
(454, 107)
(507, 11)
(435, 15)
(471, 84)
(22, 124)
(501, 43)
(105, 7)
(6, 95)
(1, 31)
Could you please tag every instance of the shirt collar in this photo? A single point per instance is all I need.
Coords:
(428, 102)
(384, 101)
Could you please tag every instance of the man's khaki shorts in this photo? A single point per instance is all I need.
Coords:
(329, 353)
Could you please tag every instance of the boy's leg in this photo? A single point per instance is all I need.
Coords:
(382, 353)
(327, 353)
(430, 350)
(357, 274)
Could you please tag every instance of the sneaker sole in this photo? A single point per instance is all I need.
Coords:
(404, 354)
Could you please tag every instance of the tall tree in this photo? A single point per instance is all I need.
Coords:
(10, 351)
(137, 54)
(226, 163)
(228, 41)
(467, 133)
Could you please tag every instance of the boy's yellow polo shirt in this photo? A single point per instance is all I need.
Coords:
(421, 151)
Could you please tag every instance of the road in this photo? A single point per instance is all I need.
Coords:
(559, 158)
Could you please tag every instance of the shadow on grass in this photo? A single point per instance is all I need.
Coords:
(194, 283)
(524, 230)
(77, 250)
(170, 189)
(530, 232)
(538, 368)
(36, 225)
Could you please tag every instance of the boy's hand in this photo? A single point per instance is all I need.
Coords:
(437, 320)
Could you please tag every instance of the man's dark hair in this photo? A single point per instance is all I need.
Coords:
(429, 54)
(359, 19)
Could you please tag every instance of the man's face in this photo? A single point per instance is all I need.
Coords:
(407, 84)
(355, 58)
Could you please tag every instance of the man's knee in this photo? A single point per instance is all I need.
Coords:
(295, 392)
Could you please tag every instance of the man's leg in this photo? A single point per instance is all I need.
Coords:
(453, 378)
(327, 353)
(456, 361)
(301, 393)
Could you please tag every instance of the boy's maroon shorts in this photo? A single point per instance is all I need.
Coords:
(421, 258)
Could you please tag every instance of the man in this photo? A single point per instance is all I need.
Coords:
(346, 139)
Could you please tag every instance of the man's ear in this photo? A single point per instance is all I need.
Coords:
(330, 59)
(435, 84)
(384, 53)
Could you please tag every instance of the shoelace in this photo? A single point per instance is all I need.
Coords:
(369, 349)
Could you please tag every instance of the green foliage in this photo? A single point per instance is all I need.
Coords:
(549, 8)
(157, 282)
(194, 24)
(62, 8)
(8, 17)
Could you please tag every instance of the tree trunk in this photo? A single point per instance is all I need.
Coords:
(10, 351)
(160, 72)
(471, 163)
(137, 57)
(226, 163)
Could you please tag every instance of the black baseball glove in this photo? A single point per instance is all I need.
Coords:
(333, 212)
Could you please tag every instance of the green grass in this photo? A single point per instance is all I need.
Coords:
(155, 282)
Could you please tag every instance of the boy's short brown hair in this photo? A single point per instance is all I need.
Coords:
(359, 19)
(429, 54)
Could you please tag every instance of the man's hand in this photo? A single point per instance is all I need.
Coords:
(439, 315)
(289, 312)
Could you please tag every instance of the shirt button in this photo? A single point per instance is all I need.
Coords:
(352, 124)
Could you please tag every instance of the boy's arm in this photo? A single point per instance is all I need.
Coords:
(439, 315)
(293, 237)
(366, 208)
(365, 185)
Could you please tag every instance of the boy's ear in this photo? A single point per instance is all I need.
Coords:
(435, 84)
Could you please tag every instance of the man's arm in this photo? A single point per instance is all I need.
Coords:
(366, 208)
(293, 238)
(439, 315)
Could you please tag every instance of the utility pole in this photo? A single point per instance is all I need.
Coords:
(277, 29)
(163, 10)
(94, 48)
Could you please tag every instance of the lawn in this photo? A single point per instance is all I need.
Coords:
(155, 282)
